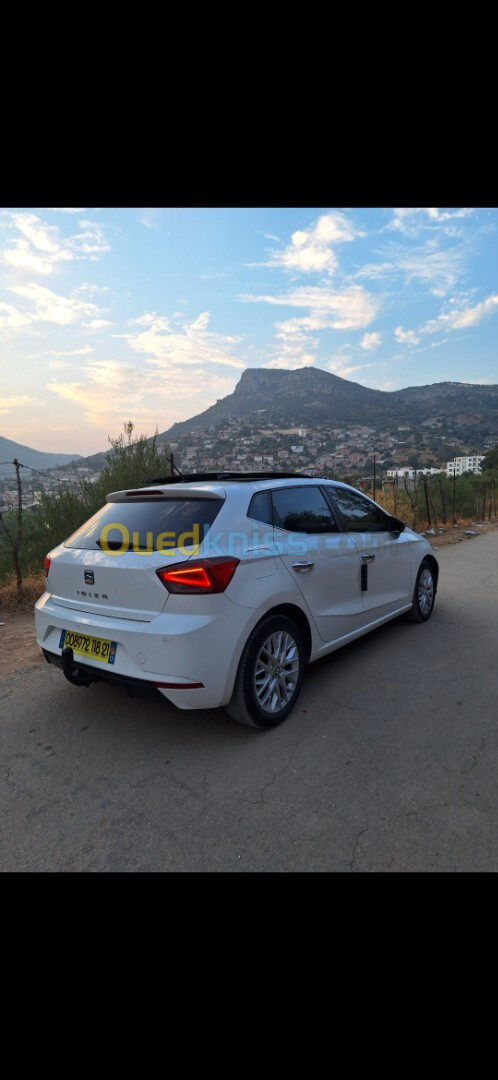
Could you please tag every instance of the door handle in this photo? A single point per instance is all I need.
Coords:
(303, 565)
(368, 558)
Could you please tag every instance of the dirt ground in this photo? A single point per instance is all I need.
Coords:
(19, 650)
(453, 534)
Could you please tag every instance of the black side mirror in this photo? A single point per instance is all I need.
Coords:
(396, 526)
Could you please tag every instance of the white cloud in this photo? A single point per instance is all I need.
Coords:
(458, 318)
(97, 324)
(39, 248)
(14, 401)
(160, 394)
(310, 249)
(410, 220)
(458, 315)
(21, 258)
(406, 337)
(90, 289)
(144, 320)
(91, 241)
(74, 352)
(12, 318)
(437, 267)
(371, 341)
(193, 344)
(289, 364)
(340, 365)
(51, 307)
(348, 309)
(67, 209)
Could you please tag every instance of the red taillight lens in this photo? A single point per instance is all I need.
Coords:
(46, 565)
(199, 575)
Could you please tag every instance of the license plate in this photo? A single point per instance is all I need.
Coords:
(94, 648)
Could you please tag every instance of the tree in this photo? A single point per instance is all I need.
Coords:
(132, 462)
(490, 460)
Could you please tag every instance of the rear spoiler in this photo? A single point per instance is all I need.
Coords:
(156, 495)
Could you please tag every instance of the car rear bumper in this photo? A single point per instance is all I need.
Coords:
(189, 659)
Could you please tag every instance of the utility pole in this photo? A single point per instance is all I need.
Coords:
(15, 539)
(19, 492)
(374, 478)
(454, 498)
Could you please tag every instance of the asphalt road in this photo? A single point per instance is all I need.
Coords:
(388, 762)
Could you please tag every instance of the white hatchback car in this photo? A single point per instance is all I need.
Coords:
(218, 589)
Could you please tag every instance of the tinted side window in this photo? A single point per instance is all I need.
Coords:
(358, 514)
(302, 509)
(260, 507)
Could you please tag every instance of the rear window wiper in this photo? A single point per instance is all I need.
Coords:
(117, 545)
(114, 545)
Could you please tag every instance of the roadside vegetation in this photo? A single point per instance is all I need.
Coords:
(26, 538)
(439, 501)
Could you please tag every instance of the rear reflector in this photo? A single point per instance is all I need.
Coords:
(46, 565)
(180, 686)
(199, 576)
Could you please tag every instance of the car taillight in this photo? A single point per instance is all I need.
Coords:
(199, 575)
(46, 565)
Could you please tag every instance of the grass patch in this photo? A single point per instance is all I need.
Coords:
(11, 600)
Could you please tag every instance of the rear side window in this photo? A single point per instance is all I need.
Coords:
(158, 524)
(260, 507)
(302, 510)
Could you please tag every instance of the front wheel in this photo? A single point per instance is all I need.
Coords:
(424, 594)
(270, 674)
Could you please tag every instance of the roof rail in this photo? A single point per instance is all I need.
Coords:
(190, 478)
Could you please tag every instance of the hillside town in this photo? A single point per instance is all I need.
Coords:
(259, 444)
(337, 452)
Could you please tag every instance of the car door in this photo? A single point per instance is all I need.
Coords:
(322, 561)
(386, 557)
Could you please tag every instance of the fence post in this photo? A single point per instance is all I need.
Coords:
(443, 499)
(427, 502)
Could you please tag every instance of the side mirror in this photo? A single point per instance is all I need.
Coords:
(396, 526)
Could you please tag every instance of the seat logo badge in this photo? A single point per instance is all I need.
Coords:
(89, 577)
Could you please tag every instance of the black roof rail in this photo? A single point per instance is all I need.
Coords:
(190, 478)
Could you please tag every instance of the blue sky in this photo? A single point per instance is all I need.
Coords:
(152, 314)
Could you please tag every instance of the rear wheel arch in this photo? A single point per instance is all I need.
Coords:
(296, 614)
(270, 671)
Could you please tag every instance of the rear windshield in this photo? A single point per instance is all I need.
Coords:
(157, 525)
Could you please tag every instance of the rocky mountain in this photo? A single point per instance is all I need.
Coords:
(308, 396)
(38, 459)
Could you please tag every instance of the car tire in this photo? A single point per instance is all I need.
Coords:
(269, 675)
(424, 594)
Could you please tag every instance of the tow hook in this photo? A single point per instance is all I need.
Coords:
(73, 673)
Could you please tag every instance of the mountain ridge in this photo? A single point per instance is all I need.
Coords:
(37, 459)
(291, 394)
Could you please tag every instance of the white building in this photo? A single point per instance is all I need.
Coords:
(407, 471)
(461, 465)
